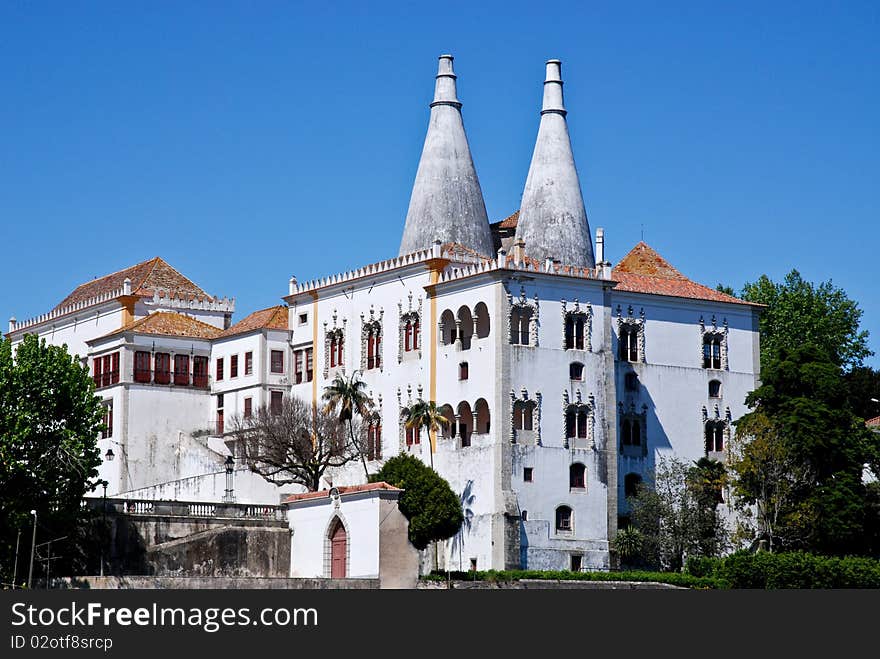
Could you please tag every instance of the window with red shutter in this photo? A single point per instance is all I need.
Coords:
(277, 364)
(415, 343)
(181, 370)
(219, 368)
(96, 371)
(309, 365)
(162, 362)
(276, 401)
(297, 366)
(248, 407)
(248, 363)
(142, 366)
(105, 376)
(114, 365)
(219, 422)
(407, 337)
(200, 372)
(233, 366)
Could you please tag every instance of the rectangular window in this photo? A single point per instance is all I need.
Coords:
(181, 370)
(108, 420)
(200, 372)
(527, 474)
(463, 371)
(96, 371)
(162, 363)
(297, 366)
(412, 436)
(142, 366)
(576, 563)
(233, 366)
(276, 401)
(219, 422)
(277, 362)
(219, 368)
(105, 379)
(303, 318)
(248, 363)
(114, 365)
(248, 407)
(309, 365)
(219, 401)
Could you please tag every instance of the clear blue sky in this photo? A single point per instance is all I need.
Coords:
(245, 142)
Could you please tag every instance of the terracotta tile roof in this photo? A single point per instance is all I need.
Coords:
(873, 423)
(271, 318)
(644, 271)
(509, 222)
(167, 323)
(368, 487)
(451, 250)
(146, 278)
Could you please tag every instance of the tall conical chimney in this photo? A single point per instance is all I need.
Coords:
(552, 219)
(446, 202)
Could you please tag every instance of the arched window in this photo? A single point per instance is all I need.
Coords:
(577, 476)
(631, 484)
(714, 389)
(571, 422)
(374, 346)
(333, 350)
(629, 342)
(714, 436)
(712, 351)
(563, 519)
(481, 314)
(415, 334)
(520, 320)
(408, 336)
(576, 371)
(575, 331)
(465, 423)
(465, 327)
(447, 322)
(482, 422)
(374, 439)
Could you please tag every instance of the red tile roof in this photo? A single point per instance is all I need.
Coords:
(873, 423)
(382, 485)
(271, 318)
(509, 222)
(167, 323)
(146, 278)
(644, 271)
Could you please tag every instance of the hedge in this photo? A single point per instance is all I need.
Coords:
(673, 578)
(788, 570)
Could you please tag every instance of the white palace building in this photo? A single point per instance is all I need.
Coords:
(565, 377)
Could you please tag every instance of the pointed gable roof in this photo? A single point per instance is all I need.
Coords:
(146, 278)
(271, 318)
(169, 323)
(643, 270)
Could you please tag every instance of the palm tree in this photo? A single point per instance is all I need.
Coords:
(349, 396)
(426, 414)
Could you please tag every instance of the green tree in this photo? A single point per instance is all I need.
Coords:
(675, 514)
(426, 414)
(800, 312)
(350, 397)
(434, 511)
(863, 383)
(49, 424)
(804, 455)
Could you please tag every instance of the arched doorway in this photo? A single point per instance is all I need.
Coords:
(338, 550)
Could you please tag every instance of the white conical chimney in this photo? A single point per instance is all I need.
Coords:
(552, 217)
(446, 201)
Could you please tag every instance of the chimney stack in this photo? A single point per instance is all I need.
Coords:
(12, 324)
(291, 285)
(446, 200)
(552, 217)
(126, 286)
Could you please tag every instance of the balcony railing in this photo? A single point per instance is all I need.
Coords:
(189, 509)
(148, 376)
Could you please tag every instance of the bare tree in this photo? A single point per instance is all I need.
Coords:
(295, 443)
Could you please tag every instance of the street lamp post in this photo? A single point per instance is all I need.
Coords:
(33, 547)
(229, 497)
(103, 524)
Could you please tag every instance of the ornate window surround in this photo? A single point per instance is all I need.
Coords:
(522, 302)
(587, 313)
(410, 315)
(580, 406)
(633, 324)
(630, 414)
(536, 413)
(714, 330)
(329, 334)
(371, 327)
(717, 418)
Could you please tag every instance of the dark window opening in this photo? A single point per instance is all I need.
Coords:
(577, 476)
(714, 389)
(563, 518)
(527, 474)
(576, 371)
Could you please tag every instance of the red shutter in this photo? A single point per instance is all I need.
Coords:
(415, 343)
(220, 368)
(248, 408)
(332, 352)
(233, 366)
(114, 373)
(105, 376)
(96, 371)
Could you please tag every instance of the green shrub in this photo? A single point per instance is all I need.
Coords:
(789, 570)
